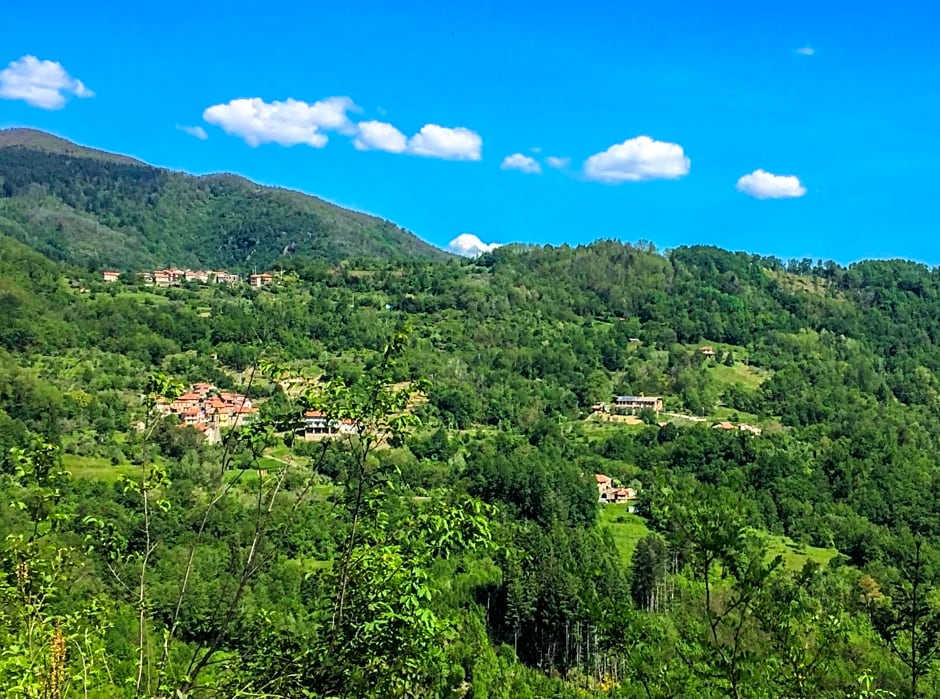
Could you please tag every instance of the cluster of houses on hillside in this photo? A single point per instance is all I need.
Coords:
(608, 493)
(175, 277)
(209, 409)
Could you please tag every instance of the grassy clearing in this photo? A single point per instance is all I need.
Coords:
(625, 528)
(795, 555)
(723, 413)
(604, 423)
(97, 468)
(145, 297)
(747, 376)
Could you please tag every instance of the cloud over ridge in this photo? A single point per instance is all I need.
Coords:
(43, 84)
(761, 184)
(288, 123)
(636, 160)
(469, 245)
(379, 135)
(434, 141)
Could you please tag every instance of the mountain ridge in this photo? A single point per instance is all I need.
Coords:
(97, 209)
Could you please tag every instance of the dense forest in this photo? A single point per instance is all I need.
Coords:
(96, 209)
(451, 543)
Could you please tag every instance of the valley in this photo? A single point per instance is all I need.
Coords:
(373, 469)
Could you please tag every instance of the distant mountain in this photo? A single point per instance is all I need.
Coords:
(98, 209)
(40, 140)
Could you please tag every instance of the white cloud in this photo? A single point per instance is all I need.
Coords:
(469, 245)
(44, 84)
(638, 159)
(196, 131)
(523, 163)
(287, 123)
(377, 135)
(556, 162)
(435, 141)
(761, 184)
(806, 51)
(536, 149)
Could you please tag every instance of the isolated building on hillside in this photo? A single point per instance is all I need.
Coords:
(707, 350)
(259, 280)
(315, 424)
(634, 404)
(110, 275)
(623, 495)
(605, 487)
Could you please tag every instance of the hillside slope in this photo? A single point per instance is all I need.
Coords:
(97, 209)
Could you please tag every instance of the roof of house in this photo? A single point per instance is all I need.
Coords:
(314, 413)
(601, 478)
(637, 399)
(189, 396)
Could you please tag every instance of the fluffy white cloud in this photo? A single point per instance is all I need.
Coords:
(435, 141)
(377, 135)
(287, 123)
(806, 51)
(556, 162)
(469, 245)
(196, 131)
(44, 84)
(523, 163)
(638, 159)
(761, 184)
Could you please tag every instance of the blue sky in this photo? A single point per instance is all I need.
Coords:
(843, 133)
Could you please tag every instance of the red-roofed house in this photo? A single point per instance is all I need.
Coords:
(605, 487)
(623, 495)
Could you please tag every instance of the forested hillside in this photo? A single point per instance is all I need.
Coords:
(96, 209)
(780, 534)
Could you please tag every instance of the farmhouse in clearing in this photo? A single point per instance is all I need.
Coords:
(608, 493)
(634, 404)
